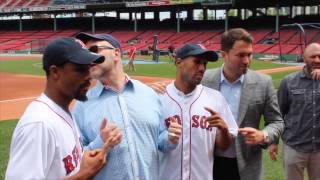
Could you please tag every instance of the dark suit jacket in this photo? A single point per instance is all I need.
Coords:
(258, 98)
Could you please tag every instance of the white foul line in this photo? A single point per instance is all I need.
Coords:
(17, 99)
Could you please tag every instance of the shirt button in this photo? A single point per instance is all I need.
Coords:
(314, 115)
(313, 137)
(314, 126)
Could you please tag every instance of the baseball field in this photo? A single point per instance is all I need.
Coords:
(22, 79)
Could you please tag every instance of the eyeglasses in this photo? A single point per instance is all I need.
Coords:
(96, 48)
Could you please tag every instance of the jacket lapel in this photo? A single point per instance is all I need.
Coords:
(246, 92)
(216, 80)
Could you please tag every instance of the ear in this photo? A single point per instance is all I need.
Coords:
(117, 54)
(178, 62)
(223, 54)
(54, 72)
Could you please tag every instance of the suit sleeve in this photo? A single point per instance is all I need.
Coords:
(274, 124)
(31, 153)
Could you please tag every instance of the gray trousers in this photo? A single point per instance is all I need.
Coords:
(296, 162)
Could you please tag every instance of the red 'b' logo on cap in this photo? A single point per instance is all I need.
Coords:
(202, 47)
(81, 43)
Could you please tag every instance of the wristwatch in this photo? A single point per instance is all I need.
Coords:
(265, 137)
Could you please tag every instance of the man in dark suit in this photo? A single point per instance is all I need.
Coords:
(250, 96)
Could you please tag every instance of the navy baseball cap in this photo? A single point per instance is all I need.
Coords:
(85, 37)
(196, 50)
(68, 49)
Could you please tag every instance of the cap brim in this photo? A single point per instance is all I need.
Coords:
(207, 54)
(211, 56)
(84, 37)
(84, 56)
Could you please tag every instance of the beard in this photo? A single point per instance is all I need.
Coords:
(95, 73)
(193, 81)
(312, 66)
(81, 93)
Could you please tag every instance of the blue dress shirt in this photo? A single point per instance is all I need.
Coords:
(136, 111)
(232, 93)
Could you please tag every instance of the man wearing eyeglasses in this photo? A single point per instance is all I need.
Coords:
(132, 106)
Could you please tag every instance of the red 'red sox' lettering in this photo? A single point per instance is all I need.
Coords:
(200, 122)
(168, 120)
(197, 122)
(70, 162)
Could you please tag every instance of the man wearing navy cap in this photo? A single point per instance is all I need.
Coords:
(45, 144)
(132, 106)
(206, 124)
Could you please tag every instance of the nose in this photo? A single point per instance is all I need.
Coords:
(202, 67)
(246, 59)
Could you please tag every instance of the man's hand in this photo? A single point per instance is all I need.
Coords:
(111, 131)
(273, 151)
(159, 87)
(315, 74)
(215, 120)
(223, 138)
(252, 136)
(174, 131)
(91, 162)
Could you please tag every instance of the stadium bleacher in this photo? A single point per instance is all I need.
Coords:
(206, 32)
(15, 40)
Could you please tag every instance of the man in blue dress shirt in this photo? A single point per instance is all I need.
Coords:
(132, 106)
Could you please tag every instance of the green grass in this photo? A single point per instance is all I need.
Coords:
(273, 170)
(6, 130)
(277, 77)
(34, 67)
(169, 70)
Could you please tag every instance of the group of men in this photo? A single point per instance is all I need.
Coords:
(203, 125)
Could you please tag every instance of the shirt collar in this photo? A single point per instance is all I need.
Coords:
(127, 79)
(99, 88)
(65, 114)
(180, 93)
(223, 78)
(304, 74)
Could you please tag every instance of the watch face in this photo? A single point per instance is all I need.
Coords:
(265, 137)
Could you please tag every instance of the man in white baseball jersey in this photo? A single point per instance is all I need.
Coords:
(207, 122)
(45, 143)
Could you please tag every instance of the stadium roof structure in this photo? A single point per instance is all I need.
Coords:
(274, 3)
(151, 5)
(57, 7)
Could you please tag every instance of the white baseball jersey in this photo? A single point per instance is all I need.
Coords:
(193, 157)
(45, 143)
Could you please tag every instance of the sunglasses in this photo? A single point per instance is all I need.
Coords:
(96, 48)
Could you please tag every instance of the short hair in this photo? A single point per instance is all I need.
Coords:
(230, 37)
